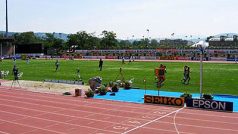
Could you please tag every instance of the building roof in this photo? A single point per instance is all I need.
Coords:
(219, 39)
(4, 39)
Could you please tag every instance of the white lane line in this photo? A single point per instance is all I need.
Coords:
(41, 95)
(73, 104)
(44, 112)
(211, 121)
(51, 121)
(88, 112)
(102, 102)
(201, 127)
(1, 132)
(152, 121)
(124, 105)
(175, 126)
(124, 116)
(30, 126)
(180, 124)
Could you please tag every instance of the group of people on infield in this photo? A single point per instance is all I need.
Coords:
(159, 72)
(160, 75)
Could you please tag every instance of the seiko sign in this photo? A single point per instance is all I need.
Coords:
(164, 100)
(210, 104)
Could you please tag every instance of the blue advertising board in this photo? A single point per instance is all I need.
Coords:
(210, 104)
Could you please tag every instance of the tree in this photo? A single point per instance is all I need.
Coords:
(154, 43)
(83, 40)
(52, 43)
(124, 44)
(26, 38)
(1, 35)
(109, 40)
(93, 42)
(72, 41)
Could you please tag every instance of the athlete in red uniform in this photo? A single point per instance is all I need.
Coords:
(161, 75)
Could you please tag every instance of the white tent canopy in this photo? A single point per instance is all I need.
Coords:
(202, 44)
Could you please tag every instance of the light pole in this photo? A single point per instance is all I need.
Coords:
(201, 69)
(148, 35)
(6, 20)
(201, 45)
(6, 34)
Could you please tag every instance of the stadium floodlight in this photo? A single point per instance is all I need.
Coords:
(6, 20)
(201, 45)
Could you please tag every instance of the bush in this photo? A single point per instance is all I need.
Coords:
(102, 90)
(207, 96)
(115, 87)
(186, 96)
(23, 57)
(89, 93)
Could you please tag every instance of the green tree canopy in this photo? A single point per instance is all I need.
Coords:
(26, 38)
(108, 40)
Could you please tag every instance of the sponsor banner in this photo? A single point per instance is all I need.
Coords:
(232, 59)
(164, 100)
(210, 104)
(167, 58)
(111, 57)
(218, 59)
(148, 57)
(93, 57)
(182, 58)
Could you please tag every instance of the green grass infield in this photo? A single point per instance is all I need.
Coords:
(218, 78)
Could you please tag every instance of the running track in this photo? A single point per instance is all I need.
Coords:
(25, 112)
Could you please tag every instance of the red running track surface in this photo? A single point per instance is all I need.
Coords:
(25, 112)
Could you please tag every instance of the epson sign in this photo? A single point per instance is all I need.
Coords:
(210, 104)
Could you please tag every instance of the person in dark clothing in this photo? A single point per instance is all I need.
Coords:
(15, 72)
(57, 65)
(78, 71)
(186, 75)
(100, 64)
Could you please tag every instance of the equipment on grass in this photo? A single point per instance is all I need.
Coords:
(16, 78)
(120, 76)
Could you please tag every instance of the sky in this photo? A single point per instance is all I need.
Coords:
(127, 18)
